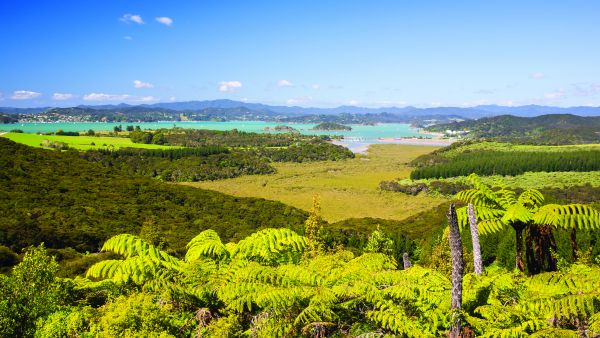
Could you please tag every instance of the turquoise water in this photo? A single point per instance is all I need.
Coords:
(360, 135)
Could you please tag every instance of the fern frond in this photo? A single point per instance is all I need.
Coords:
(271, 246)
(568, 216)
(206, 244)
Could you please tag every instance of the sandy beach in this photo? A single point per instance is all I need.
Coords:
(418, 141)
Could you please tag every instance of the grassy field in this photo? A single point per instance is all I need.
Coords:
(533, 180)
(80, 142)
(508, 147)
(346, 188)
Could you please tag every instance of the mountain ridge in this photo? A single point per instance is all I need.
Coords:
(474, 112)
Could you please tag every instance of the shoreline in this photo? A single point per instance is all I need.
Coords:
(418, 141)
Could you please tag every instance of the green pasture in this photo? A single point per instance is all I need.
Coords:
(509, 147)
(80, 142)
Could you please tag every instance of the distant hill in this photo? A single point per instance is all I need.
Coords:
(228, 110)
(544, 129)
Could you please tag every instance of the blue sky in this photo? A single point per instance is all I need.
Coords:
(308, 53)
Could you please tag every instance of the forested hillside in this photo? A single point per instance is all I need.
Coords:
(64, 200)
(544, 129)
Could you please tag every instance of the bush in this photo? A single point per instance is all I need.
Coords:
(66, 133)
(30, 292)
(138, 315)
(411, 189)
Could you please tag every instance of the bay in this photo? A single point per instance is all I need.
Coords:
(359, 137)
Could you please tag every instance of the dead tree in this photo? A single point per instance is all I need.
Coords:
(458, 267)
(475, 238)
(406, 261)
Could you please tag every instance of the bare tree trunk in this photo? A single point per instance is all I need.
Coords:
(406, 261)
(475, 238)
(574, 243)
(458, 267)
(519, 263)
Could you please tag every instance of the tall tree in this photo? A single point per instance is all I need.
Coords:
(477, 261)
(458, 269)
(501, 207)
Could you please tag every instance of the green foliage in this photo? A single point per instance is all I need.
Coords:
(31, 291)
(263, 286)
(65, 201)
(183, 164)
(72, 322)
(499, 208)
(229, 138)
(543, 129)
(379, 242)
(546, 305)
(138, 315)
(306, 151)
(331, 126)
(510, 163)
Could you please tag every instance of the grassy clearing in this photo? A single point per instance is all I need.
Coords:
(509, 147)
(80, 142)
(533, 180)
(348, 188)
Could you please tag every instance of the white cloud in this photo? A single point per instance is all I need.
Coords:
(172, 98)
(353, 102)
(537, 75)
(229, 86)
(135, 18)
(316, 86)
(1, 96)
(284, 83)
(165, 20)
(24, 95)
(145, 99)
(62, 96)
(140, 84)
(128, 38)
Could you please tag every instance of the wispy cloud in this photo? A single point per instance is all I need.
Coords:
(484, 91)
(118, 97)
(128, 38)
(555, 95)
(284, 83)
(24, 95)
(316, 86)
(537, 75)
(135, 18)
(229, 86)
(299, 100)
(140, 84)
(105, 97)
(586, 89)
(165, 20)
(62, 96)
(353, 102)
